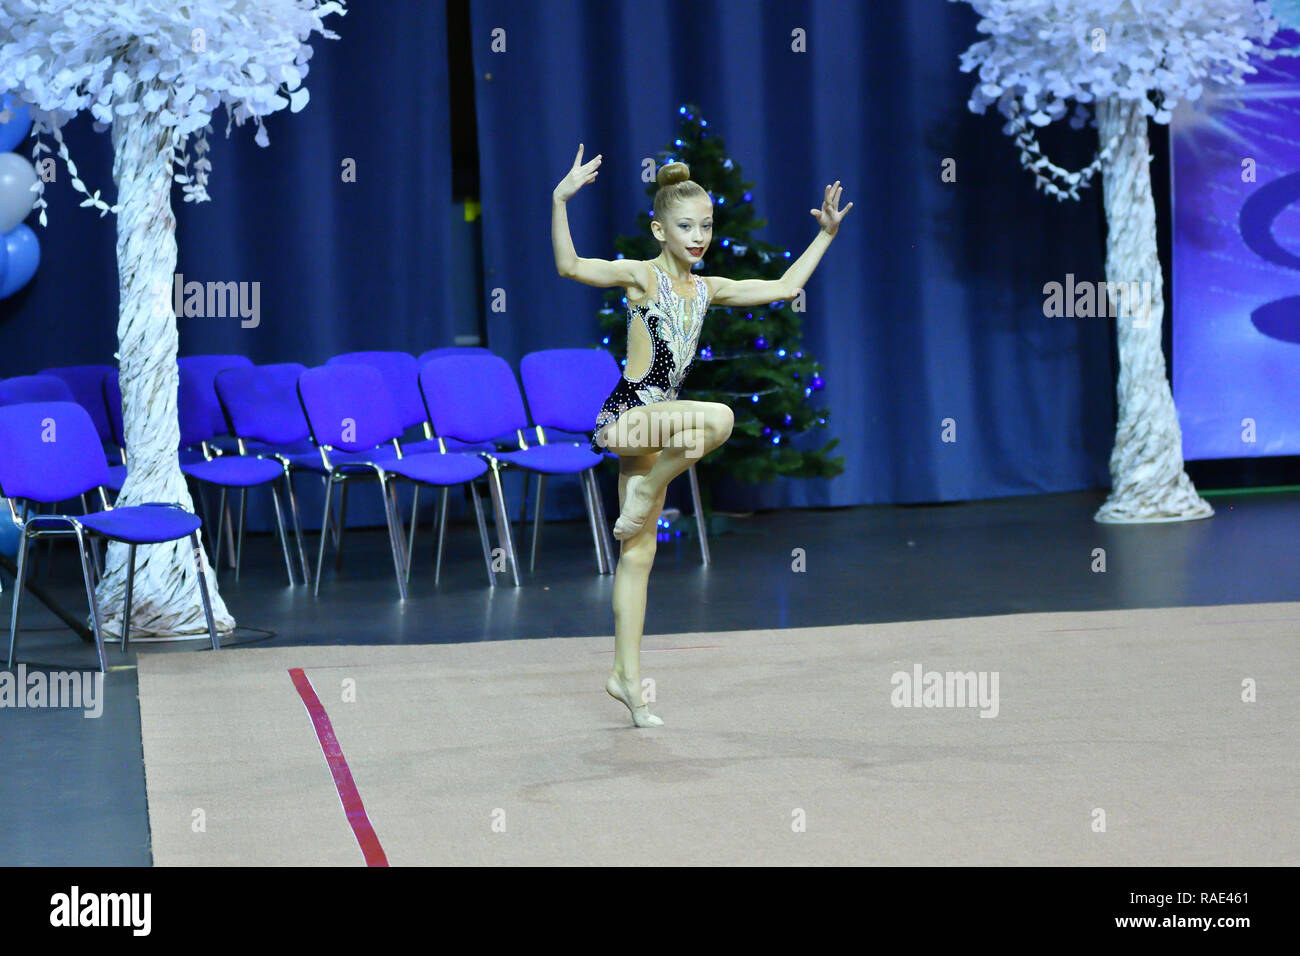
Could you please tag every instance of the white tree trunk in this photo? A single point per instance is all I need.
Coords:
(165, 600)
(1146, 465)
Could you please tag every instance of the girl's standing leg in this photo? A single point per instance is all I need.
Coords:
(631, 581)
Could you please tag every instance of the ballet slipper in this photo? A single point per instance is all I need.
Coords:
(641, 715)
(628, 523)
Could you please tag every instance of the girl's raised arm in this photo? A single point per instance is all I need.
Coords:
(761, 291)
(597, 272)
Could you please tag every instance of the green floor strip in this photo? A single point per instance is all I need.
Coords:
(1247, 491)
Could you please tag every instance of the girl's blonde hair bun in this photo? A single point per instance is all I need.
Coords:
(675, 185)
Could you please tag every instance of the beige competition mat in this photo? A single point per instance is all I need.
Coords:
(1159, 736)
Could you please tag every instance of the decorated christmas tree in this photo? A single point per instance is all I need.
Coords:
(751, 359)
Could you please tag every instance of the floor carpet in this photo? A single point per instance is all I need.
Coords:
(1161, 736)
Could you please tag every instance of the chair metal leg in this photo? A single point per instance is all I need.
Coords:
(333, 528)
(297, 526)
(230, 535)
(602, 523)
(589, 508)
(442, 532)
(284, 538)
(700, 524)
(342, 523)
(19, 581)
(126, 611)
(523, 500)
(48, 564)
(324, 532)
(94, 605)
(239, 551)
(398, 528)
(94, 551)
(537, 522)
(503, 519)
(201, 507)
(221, 526)
(394, 538)
(587, 491)
(26, 511)
(482, 533)
(203, 591)
(410, 541)
(34, 556)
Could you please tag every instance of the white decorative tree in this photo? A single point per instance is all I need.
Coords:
(153, 71)
(1135, 60)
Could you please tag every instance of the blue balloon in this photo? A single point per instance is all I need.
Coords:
(24, 253)
(15, 131)
(4, 265)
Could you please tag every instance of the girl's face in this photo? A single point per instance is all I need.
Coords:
(688, 230)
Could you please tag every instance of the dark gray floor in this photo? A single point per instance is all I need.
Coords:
(72, 791)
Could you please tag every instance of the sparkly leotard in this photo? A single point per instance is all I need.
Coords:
(673, 324)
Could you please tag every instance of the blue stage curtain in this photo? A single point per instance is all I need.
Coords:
(928, 306)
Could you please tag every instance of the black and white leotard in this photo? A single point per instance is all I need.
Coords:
(673, 324)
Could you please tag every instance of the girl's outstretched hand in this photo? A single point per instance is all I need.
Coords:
(577, 177)
(830, 215)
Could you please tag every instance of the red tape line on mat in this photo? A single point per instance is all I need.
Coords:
(329, 745)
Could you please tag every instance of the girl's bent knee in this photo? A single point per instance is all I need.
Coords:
(719, 425)
(721, 418)
(728, 422)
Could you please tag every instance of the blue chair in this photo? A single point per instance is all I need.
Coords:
(193, 426)
(265, 411)
(473, 397)
(227, 472)
(401, 373)
(34, 388)
(260, 404)
(205, 369)
(568, 386)
(352, 415)
(41, 388)
(565, 389)
(87, 384)
(38, 388)
(37, 470)
(453, 350)
(452, 444)
(112, 401)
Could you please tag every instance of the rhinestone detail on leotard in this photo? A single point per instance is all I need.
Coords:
(673, 323)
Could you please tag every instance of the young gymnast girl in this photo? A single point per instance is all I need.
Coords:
(655, 434)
